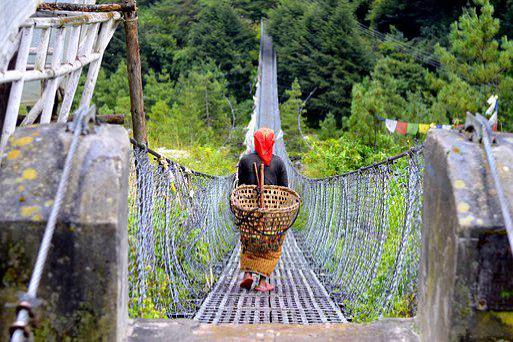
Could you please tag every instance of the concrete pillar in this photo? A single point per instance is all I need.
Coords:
(84, 285)
(466, 271)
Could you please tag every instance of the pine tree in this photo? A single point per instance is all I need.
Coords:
(111, 93)
(398, 88)
(195, 111)
(289, 111)
(254, 10)
(328, 128)
(475, 66)
(222, 38)
(318, 44)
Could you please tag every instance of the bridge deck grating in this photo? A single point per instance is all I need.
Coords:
(299, 297)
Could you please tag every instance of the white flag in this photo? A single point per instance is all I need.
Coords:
(278, 135)
(493, 119)
(492, 101)
(391, 124)
(446, 127)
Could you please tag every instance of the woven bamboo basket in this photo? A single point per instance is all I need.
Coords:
(263, 220)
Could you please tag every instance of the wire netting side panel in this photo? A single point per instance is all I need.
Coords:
(362, 235)
(180, 231)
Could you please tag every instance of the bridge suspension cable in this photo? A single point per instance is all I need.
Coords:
(406, 48)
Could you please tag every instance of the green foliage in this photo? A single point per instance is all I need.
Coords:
(337, 156)
(317, 43)
(254, 10)
(111, 94)
(289, 111)
(414, 17)
(476, 65)
(210, 160)
(328, 128)
(195, 112)
(221, 37)
(398, 88)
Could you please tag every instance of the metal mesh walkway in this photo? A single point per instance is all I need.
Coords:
(299, 297)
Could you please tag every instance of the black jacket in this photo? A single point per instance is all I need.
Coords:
(274, 174)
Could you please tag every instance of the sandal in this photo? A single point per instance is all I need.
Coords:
(246, 283)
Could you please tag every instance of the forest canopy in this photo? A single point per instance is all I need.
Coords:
(343, 67)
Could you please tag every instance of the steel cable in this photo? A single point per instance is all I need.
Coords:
(22, 318)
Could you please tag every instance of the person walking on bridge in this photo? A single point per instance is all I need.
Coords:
(275, 173)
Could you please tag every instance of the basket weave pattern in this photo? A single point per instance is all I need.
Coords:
(263, 229)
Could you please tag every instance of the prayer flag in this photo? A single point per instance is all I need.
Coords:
(391, 124)
(493, 122)
(438, 126)
(423, 128)
(492, 101)
(412, 128)
(446, 127)
(401, 127)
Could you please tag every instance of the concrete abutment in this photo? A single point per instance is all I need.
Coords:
(84, 290)
(466, 268)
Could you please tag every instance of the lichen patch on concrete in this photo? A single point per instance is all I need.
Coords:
(463, 207)
(22, 141)
(29, 174)
(28, 211)
(459, 184)
(13, 154)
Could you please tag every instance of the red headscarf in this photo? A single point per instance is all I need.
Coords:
(264, 142)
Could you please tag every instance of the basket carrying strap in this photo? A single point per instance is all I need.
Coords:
(260, 183)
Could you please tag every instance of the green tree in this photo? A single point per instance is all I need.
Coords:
(196, 112)
(289, 111)
(254, 10)
(328, 128)
(318, 43)
(397, 88)
(111, 94)
(414, 17)
(475, 66)
(165, 27)
(221, 37)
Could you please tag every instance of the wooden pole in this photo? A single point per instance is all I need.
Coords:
(85, 8)
(133, 60)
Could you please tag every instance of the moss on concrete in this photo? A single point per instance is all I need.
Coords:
(493, 325)
(14, 276)
(85, 327)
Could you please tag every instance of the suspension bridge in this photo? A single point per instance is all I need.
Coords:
(354, 253)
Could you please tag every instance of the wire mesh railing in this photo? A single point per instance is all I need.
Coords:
(180, 231)
(361, 233)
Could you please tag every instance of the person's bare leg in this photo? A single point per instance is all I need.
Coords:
(247, 281)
